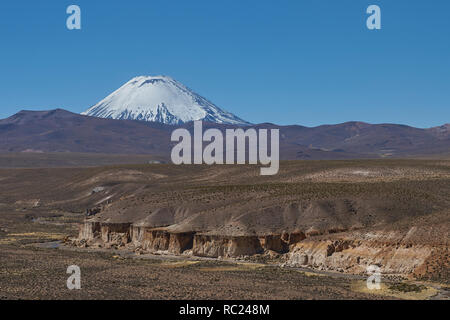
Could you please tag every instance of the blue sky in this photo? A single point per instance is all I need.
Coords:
(287, 62)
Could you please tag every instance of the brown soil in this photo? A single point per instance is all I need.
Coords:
(328, 215)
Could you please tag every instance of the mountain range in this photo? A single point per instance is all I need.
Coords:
(63, 131)
(139, 117)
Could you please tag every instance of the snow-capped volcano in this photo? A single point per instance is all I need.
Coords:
(159, 99)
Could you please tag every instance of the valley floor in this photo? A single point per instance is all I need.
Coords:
(34, 263)
(345, 215)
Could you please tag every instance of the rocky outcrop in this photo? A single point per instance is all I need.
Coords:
(225, 246)
(354, 256)
(294, 237)
(394, 252)
(280, 242)
(148, 239)
(180, 242)
(155, 240)
(160, 239)
(115, 233)
(274, 242)
(89, 230)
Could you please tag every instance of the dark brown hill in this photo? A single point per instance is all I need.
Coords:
(62, 131)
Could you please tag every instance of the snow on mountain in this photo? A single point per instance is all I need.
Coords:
(160, 99)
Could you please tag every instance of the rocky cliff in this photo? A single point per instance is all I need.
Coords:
(147, 239)
(395, 252)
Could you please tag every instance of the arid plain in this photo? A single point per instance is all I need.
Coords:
(159, 231)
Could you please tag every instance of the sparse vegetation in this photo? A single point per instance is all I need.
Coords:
(332, 197)
(407, 287)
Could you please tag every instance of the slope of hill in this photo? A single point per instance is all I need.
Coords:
(62, 131)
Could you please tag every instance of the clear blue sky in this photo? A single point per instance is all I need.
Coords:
(287, 62)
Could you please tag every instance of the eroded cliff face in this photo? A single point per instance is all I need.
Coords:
(356, 256)
(180, 242)
(352, 252)
(199, 244)
(225, 246)
(115, 233)
(89, 230)
(395, 252)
